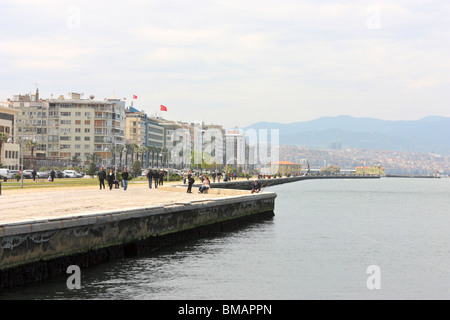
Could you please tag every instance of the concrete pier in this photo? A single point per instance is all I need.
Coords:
(43, 232)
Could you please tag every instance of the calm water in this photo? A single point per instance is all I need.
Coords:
(324, 236)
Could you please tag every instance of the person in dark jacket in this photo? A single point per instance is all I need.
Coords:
(125, 179)
(155, 176)
(190, 182)
(150, 177)
(102, 177)
(111, 178)
(52, 175)
(161, 177)
(256, 187)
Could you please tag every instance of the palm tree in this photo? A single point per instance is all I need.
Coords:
(140, 150)
(3, 139)
(157, 150)
(76, 160)
(119, 149)
(93, 157)
(133, 147)
(165, 153)
(31, 144)
(128, 148)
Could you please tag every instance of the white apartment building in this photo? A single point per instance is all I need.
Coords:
(65, 129)
(10, 151)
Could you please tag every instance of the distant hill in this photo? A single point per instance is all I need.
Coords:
(430, 134)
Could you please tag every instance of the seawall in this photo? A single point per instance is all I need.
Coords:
(248, 184)
(42, 249)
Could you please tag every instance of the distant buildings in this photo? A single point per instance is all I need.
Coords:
(74, 130)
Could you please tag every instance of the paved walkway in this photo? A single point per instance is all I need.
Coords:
(26, 205)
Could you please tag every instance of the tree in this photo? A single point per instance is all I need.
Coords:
(93, 158)
(76, 160)
(31, 144)
(119, 149)
(92, 171)
(136, 168)
(133, 147)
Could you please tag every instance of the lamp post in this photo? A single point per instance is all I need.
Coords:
(126, 154)
(21, 153)
(106, 151)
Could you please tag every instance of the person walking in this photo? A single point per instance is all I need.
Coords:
(33, 174)
(190, 182)
(156, 175)
(111, 178)
(52, 175)
(102, 177)
(150, 177)
(125, 179)
(161, 177)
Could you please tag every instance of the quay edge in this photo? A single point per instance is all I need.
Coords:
(41, 250)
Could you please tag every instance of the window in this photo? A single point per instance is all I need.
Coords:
(87, 130)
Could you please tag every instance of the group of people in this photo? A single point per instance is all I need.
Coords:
(110, 177)
(189, 178)
(154, 175)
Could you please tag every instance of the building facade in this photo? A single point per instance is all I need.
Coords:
(69, 131)
(9, 151)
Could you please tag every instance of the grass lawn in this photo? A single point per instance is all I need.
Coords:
(60, 182)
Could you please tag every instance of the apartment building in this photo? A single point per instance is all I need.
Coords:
(71, 128)
(9, 150)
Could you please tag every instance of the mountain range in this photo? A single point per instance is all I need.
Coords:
(429, 134)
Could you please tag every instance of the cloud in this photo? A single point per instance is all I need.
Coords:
(222, 58)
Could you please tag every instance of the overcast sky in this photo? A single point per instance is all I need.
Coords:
(234, 62)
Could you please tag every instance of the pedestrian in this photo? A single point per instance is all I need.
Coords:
(111, 178)
(156, 175)
(219, 175)
(205, 185)
(256, 187)
(161, 177)
(184, 177)
(191, 181)
(34, 175)
(150, 177)
(102, 177)
(214, 176)
(52, 175)
(125, 179)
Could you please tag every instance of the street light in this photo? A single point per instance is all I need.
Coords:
(106, 150)
(21, 153)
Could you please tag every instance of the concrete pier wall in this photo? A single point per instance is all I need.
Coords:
(248, 184)
(43, 249)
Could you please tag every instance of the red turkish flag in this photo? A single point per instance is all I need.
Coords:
(163, 108)
(134, 96)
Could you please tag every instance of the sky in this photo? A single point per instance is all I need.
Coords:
(232, 62)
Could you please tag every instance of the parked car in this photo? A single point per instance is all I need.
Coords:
(42, 174)
(6, 173)
(27, 174)
(70, 174)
